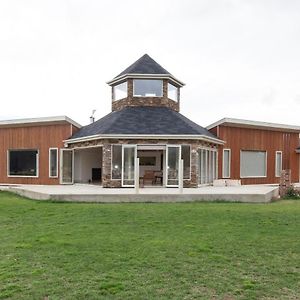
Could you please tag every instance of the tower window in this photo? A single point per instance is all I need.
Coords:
(172, 92)
(147, 88)
(120, 91)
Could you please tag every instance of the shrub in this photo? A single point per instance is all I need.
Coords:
(292, 193)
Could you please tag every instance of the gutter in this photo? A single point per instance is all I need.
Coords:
(145, 136)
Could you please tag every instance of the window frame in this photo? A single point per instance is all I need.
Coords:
(141, 96)
(23, 176)
(209, 174)
(229, 163)
(114, 93)
(277, 152)
(177, 89)
(56, 149)
(256, 176)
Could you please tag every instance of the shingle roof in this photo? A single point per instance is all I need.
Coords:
(143, 120)
(145, 65)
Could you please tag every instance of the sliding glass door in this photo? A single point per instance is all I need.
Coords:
(172, 165)
(129, 154)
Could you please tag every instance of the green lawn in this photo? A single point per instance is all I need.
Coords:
(149, 251)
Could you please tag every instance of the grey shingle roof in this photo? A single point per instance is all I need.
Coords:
(143, 120)
(145, 65)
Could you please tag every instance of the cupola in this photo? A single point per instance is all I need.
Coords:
(145, 83)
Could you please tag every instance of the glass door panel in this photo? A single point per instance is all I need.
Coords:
(173, 157)
(67, 166)
(128, 165)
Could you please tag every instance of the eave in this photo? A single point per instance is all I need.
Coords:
(232, 122)
(146, 137)
(146, 76)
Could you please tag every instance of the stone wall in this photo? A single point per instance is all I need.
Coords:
(108, 182)
(163, 101)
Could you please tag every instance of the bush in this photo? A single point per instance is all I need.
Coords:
(292, 193)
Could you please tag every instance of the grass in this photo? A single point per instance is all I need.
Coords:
(148, 251)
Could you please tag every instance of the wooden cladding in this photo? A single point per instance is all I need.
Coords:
(40, 137)
(238, 139)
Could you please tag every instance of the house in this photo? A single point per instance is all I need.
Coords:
(256, 152)
(29, 149)
(145, 123)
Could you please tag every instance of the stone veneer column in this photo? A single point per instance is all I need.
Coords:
(106, 165)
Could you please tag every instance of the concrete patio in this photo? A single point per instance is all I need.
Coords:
(94, 193)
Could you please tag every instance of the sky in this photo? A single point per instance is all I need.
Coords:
(238, 58)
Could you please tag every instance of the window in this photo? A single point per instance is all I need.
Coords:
(207, 165)
(147, 88)
(147, 161)
(253, 163)
(172, 92)
(120, 91)
(226, 163)
(186, 156)
(116, 167)
(53, 163)
(278, 163)
(23, 163)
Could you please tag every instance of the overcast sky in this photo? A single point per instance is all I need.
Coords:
(238, 58)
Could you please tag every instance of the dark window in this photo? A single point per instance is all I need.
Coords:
(23, 163)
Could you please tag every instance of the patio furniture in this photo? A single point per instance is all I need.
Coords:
(149, 177)
(158, 177)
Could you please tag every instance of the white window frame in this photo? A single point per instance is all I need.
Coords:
(177, 96)
(61, 166)
(167, 158)
(114, 92)
(23, 176)
(229, 163)
(266, 170)
(162, 88)
(134, 162)
(208, 166)
(51, 149)
(276, 175)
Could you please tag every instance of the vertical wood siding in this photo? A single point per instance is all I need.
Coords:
(40, 137)
(238, 139)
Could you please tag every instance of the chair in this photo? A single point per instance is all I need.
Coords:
(149, 177)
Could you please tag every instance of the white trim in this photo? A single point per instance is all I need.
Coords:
(22, 176)
(141, 96)
(49, 161)
(146, 136)
(266, 170)
(253, 124)
(151, 147)
(134, 161)
(229, 163)
(145, 76)
(114, 93)
(167, 158)
(276, 175)
(177, 96)
(39, 120)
